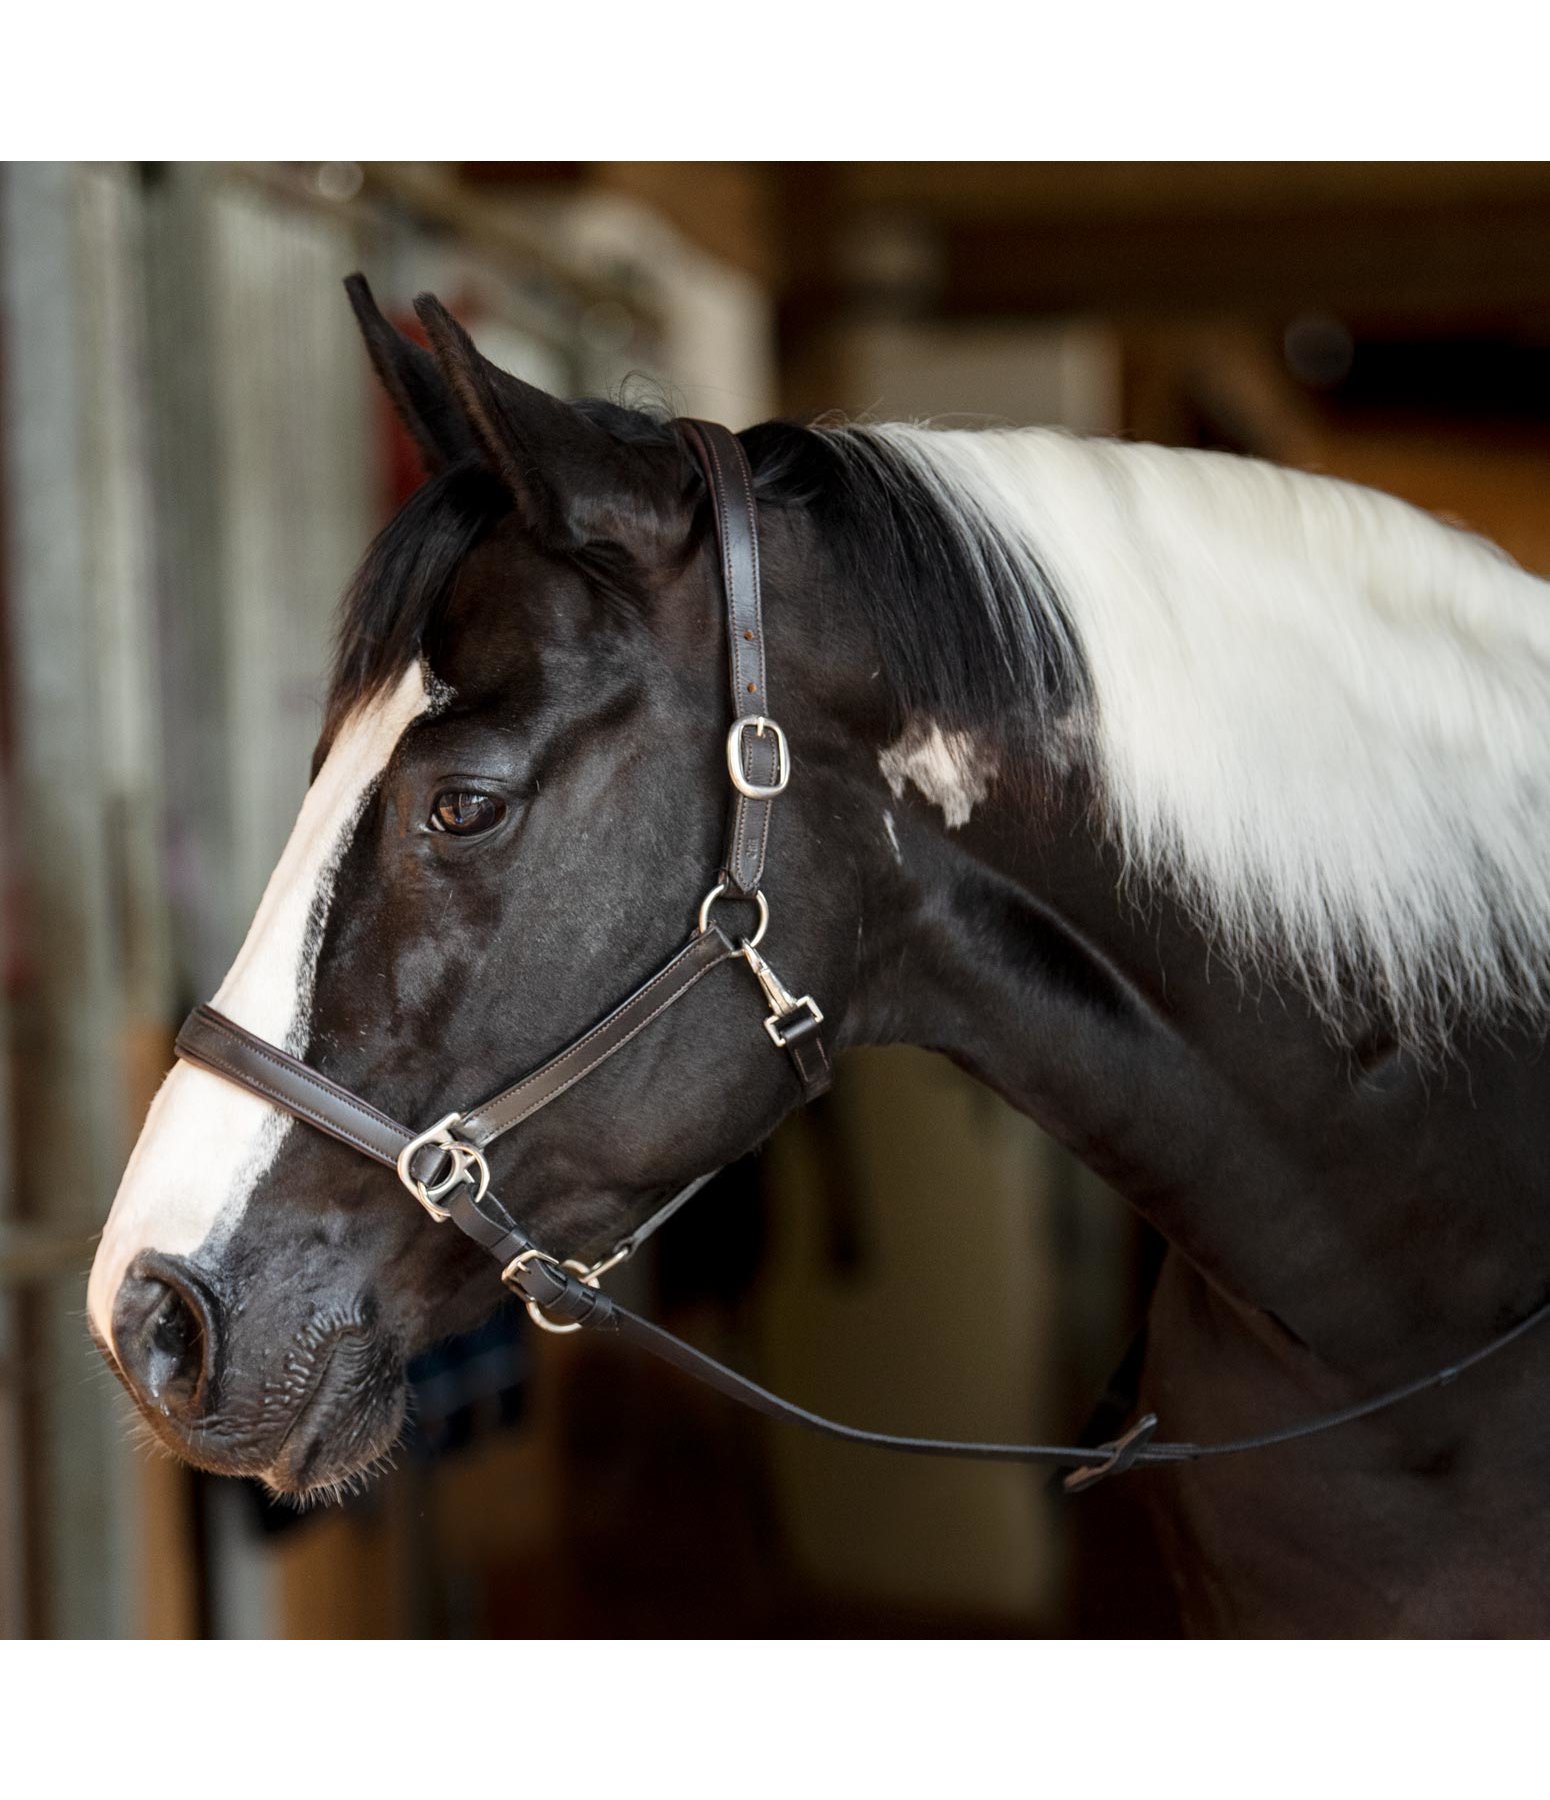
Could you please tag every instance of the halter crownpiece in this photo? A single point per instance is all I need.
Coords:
(444, 1166)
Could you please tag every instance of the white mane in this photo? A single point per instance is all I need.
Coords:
(1320, 715)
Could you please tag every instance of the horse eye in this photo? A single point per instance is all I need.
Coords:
(465, 812)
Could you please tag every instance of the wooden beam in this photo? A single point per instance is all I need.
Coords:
(1094, 193)
(1480, 262)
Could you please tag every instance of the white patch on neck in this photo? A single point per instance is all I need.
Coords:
(946, 766)
(205, 1143)
(893, 836)
(1317, 715)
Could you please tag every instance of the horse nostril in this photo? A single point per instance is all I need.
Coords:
(164, 1335)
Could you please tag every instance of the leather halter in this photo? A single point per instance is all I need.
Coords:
(444, 1166)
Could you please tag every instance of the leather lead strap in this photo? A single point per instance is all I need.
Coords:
(217, 1043)
(730, 481)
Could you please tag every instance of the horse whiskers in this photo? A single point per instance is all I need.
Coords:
(343, 1488)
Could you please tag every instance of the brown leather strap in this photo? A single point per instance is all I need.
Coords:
(214, 1042)
(801, 1037)
(1135, 1448)
(730, 481)
(221, 1045)
(520, 1101)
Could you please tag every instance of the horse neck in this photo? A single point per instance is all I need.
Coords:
(1363, 1197)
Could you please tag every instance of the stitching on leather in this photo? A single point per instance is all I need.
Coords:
(290, 1103)
(751, 812)
(751, 818)
(767, 808)
(672, 999)
(753, 547)
(664, 974)
(718, 485)
(297, 1069)
(496, 1105)
(634, 1032)
(741, 464)
(300, 1071)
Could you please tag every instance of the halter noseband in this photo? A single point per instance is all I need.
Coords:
(444, 1166)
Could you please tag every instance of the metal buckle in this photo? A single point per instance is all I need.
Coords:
(465, 1157)
(587, 1277)
(758, 899)
(735, 758)
(781, 1001)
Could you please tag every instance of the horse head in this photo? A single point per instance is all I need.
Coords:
(516, 808)
(1195, 805)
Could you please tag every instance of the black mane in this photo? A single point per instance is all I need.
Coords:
(972, 634)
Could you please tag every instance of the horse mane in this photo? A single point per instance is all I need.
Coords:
(1316, 715)
(1310, 713)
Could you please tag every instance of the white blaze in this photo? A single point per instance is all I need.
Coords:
(206, 1143)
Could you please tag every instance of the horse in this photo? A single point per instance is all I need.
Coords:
(1196, 806)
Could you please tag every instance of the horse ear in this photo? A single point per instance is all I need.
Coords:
(573, 481)
(414, 384)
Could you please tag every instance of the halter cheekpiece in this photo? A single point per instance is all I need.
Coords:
(445, 1168)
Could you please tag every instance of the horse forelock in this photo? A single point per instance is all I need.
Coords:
(398, 595)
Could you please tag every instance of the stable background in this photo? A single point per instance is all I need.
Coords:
(193, 457)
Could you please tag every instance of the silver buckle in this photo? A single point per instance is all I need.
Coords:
(735, 758)
(465, 1157)
(772, 1026)
(781, 1001)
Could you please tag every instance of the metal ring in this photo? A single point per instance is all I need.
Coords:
(621, 1252)
(587, 1277)
(757, 897)
(463, 1157)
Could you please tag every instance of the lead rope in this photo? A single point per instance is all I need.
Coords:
(565, 1296)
